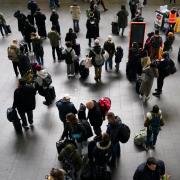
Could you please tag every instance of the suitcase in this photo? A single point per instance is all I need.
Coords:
(8, 28)
(52, 92)
(115, 28)
(76, 66)
(83, 71)
(77, 49)
(76, 28)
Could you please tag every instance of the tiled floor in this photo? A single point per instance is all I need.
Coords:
(31, 157)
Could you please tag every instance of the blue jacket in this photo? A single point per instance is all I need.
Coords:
(64, 108)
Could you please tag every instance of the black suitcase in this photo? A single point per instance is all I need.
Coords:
(76, 28)
(52, 92)
(83, 71)
(76, 66)
(77, 49)
(8, 28)
(115, 28)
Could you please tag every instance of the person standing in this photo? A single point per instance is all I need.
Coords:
(54, 18)
(13, 52)
(153, 122)
(95, 116)
(71, 37)
(40, 22)
(32, 6)
(75, 12)
(122, 18)
(102, 3)
(3, 25)
(65, 106)
(118, 57)
(54, 38)
(133, 8)
(96, 53)
(109, 46)
(169, 41)
(25, 102)
(152, 169)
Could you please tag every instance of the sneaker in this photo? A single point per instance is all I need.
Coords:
(157, 90)
(31, 125)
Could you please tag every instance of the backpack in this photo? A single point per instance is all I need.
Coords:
(140, 138)
(170, 68)
(12, 54)
(124, 133)
(99, 59)
(105, 104)
(47, 81)
(87, 128)
(68, 57)
(156, 42)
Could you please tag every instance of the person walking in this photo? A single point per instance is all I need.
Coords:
(55, 38)
(118, 57)
(3, 25)
(122, 19)
(169, 41)
(75, 12)
(40, 22)
(133, 8)
(25, 102)
(54, 18)
(109, 46)
(153, 122)
(32, 6)
(37, 48)
(65, 106)
(102, 3)
(96, 53)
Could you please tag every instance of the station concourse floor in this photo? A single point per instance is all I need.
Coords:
(31, 156)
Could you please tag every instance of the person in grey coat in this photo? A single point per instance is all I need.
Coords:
(148, 73)
(123, 18)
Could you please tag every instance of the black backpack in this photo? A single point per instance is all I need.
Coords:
(124, 133)
(68, 57)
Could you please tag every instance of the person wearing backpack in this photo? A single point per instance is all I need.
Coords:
(113, 131)
(70, 57)
(13, 52)
(118, 57)
(96, 53)
(156, 43)
(153, 122)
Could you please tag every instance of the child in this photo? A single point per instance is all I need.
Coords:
(118, 57)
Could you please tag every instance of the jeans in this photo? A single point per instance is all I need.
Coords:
(76, 25)
(152, 136)
(108, 61)
(116, 151)
(70, 69)
(40, 59)
(57, 52)
(23, 117)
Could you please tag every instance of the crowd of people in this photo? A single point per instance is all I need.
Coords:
(144, 65)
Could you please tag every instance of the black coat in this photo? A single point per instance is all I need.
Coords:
(21, 18)
(28, 29)
(64, 108)
(54, 18)
(95, 115)
(144, 173)
(24, 64)
(32, 6)
(109, 47)
(24, 98)
(37, 47)
(92, 28)
(71, 37)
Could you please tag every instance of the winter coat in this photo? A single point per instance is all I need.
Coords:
(144, 173)
(42, 74)
(54, 38)
(102, 153)
(30, 19)
(95, 115)
(122, 18)
(32, 6)
(28, 29)
(168, 43)
(97, 49)
(118, 55)
(54, 18)
(24, 98)
(40, 19)
(148, 74)
(74, 131)
(92, 28)
(2, 20)
(75, 11)
(37, 46)
(73, 54)
(109, 46)
(64, 108)
(70, 155)
(24, 64)
(71, 37)
(21, 18)
(97, 14)
(113, 130)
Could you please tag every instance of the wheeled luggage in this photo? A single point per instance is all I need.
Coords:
(8, 28)
(115, 28)
(83, 71)
(77, 49)
(140, 138)
(76, 66)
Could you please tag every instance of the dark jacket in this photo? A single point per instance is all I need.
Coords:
(92, 28)
(32, 6)
(95, 116)
(109, 47)
(102, 153)
(37, 46)
(97, 15)
(113, 130)
(74, 131)
(24, 98)
(122, 18)
(71, 37)
(97, 49)
(40, 18)
(168, 43)
(144, 173)
(21, 18)
(64, 108)
(118, 54)
(54, 18)
(28, 29)
(162, 65)
(54, 38)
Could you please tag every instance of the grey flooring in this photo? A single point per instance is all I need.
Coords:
(32, 156)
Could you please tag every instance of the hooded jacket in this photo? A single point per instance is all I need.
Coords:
(75, 11)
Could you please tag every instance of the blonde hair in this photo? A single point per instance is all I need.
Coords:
(90, 104)
(146, 61)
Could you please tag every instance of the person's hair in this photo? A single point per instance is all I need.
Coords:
(53, 28)
(156, 32)
(123, 7)
(22, 82)
(151, 160)
(71, 118)
(105, 137)
(155, 109)
(57, 174)
(70, 30)
(110, 115)
(68, 44)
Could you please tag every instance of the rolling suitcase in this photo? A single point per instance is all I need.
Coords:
(115, 28)
(76, 66)
(77, 49)
(83, 71)
(8, 28)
